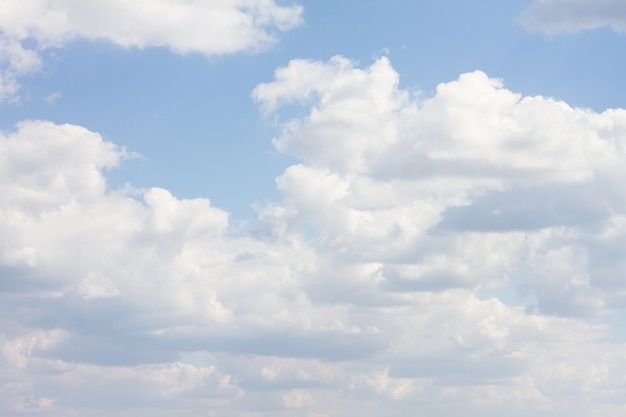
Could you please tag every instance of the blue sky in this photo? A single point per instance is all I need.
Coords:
(262, 208)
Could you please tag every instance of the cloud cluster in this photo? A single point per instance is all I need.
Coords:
(466, 188)
(206, 27)
(554, 16)
(360, 292)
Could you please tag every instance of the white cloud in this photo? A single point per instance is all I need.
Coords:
(554, 16)
(358, 291)
(449, 190)
(15, 61)
(197, 26)
(211, 27)
(52, 98)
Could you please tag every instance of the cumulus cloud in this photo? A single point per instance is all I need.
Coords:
(554, 16)
(359, 292)
(451, 190)
(206, 27)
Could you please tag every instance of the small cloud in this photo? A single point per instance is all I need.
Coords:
(52, 98)
(382, 52)
(557, 16)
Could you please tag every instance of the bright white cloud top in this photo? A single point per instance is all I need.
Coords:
(459, 252)
(206, 27)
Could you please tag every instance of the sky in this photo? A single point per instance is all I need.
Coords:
(249, 208)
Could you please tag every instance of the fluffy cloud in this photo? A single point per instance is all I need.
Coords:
(553, 16)
(360, 292)
(183, 26)
(469, 188)
(207, 27)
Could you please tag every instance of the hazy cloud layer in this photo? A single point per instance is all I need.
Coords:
(359, 293)
(206, 27)
(553, 16)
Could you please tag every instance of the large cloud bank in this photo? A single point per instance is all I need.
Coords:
(369, 289)
(207, 27)
(553, 16)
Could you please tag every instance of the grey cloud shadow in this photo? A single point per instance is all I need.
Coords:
(109, 332)
(323, 345)
(24, 280)
(459, 368)
(102, 331)
(436, 281)
(528, 209)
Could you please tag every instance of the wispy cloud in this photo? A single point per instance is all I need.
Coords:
(554, 16)
(52, 98)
